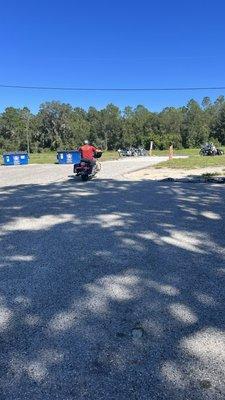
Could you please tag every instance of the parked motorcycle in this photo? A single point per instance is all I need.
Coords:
(132, 152)
(142, 152)
(220, 152)
(84, 168)
(209, 149)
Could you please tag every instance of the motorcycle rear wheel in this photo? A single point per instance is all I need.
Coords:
(84, 177)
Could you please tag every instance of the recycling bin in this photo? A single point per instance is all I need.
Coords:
(16, 158)
(68, 157)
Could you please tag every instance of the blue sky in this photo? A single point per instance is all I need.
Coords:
(111, 44)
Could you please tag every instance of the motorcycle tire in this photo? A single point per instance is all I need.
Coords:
(84, 177)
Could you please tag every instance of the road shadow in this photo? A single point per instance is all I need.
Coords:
(112, 290)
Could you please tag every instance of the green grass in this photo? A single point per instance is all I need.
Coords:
(43, 158)
(193, 162)
(109, 155)
(50, 157)
(182, 152)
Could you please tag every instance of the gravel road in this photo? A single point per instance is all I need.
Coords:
(47, 173)
(110, 289)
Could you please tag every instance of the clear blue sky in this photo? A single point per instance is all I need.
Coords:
(111, 44)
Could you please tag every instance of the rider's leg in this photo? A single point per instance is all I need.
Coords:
(93, 166)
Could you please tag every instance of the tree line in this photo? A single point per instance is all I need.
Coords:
(60, 126)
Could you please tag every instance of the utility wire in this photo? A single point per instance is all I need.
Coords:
(91, 89)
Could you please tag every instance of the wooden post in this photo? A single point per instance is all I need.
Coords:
(171, 152)
(151, 148)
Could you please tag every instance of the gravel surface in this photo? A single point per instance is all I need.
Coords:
(163, 173)
(110, 289)
(47, 173)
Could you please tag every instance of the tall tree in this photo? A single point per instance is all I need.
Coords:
(54, 124)
(14, 128)
(219, 126)
(195, 130)
(112, 126)
(96, 134)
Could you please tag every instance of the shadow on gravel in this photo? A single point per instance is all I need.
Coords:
(112, 290)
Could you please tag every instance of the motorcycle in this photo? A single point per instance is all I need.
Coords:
(210, 150)
(220, 152)
(85, 170)
(132, 152)
(142, 152)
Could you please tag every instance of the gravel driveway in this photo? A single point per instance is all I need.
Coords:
(110, 289)
(47, 173)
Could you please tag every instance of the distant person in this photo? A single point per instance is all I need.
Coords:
(87, 154)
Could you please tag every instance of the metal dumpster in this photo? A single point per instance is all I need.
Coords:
(17, 158)
(68, 157)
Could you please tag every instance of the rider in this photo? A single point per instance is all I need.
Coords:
(87, 154)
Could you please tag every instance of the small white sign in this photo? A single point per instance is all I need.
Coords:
(69, 158)
(16, 160)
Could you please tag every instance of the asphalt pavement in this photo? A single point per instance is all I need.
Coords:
(110, 289)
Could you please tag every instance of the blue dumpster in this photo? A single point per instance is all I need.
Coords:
(68, 157)
(18, 158)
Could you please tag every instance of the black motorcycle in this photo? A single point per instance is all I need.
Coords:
(210, 150)
(85, 170)
(132, 152)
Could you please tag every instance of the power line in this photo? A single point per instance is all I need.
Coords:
(91, 89)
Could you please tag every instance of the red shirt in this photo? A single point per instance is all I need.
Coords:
(87, 151)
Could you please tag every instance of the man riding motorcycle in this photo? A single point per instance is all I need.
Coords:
(87, 154)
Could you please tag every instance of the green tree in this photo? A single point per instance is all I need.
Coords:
(171, 120)
(14, 128)
(195, 130)
(96, 134)
(219, 126)
(79, 128)
(111, 127)
(54, 126)
(59, 125)
(138, 126)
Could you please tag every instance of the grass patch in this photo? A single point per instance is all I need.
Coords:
(210, 175)
(43, 158)
(109, 155)
(193, 162)
(50, 157)
(181, 152)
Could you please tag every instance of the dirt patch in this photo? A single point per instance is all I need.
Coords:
(152, 173)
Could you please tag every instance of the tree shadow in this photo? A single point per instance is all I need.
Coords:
(112, 289)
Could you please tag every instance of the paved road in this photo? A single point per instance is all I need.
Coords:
(111, 289)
